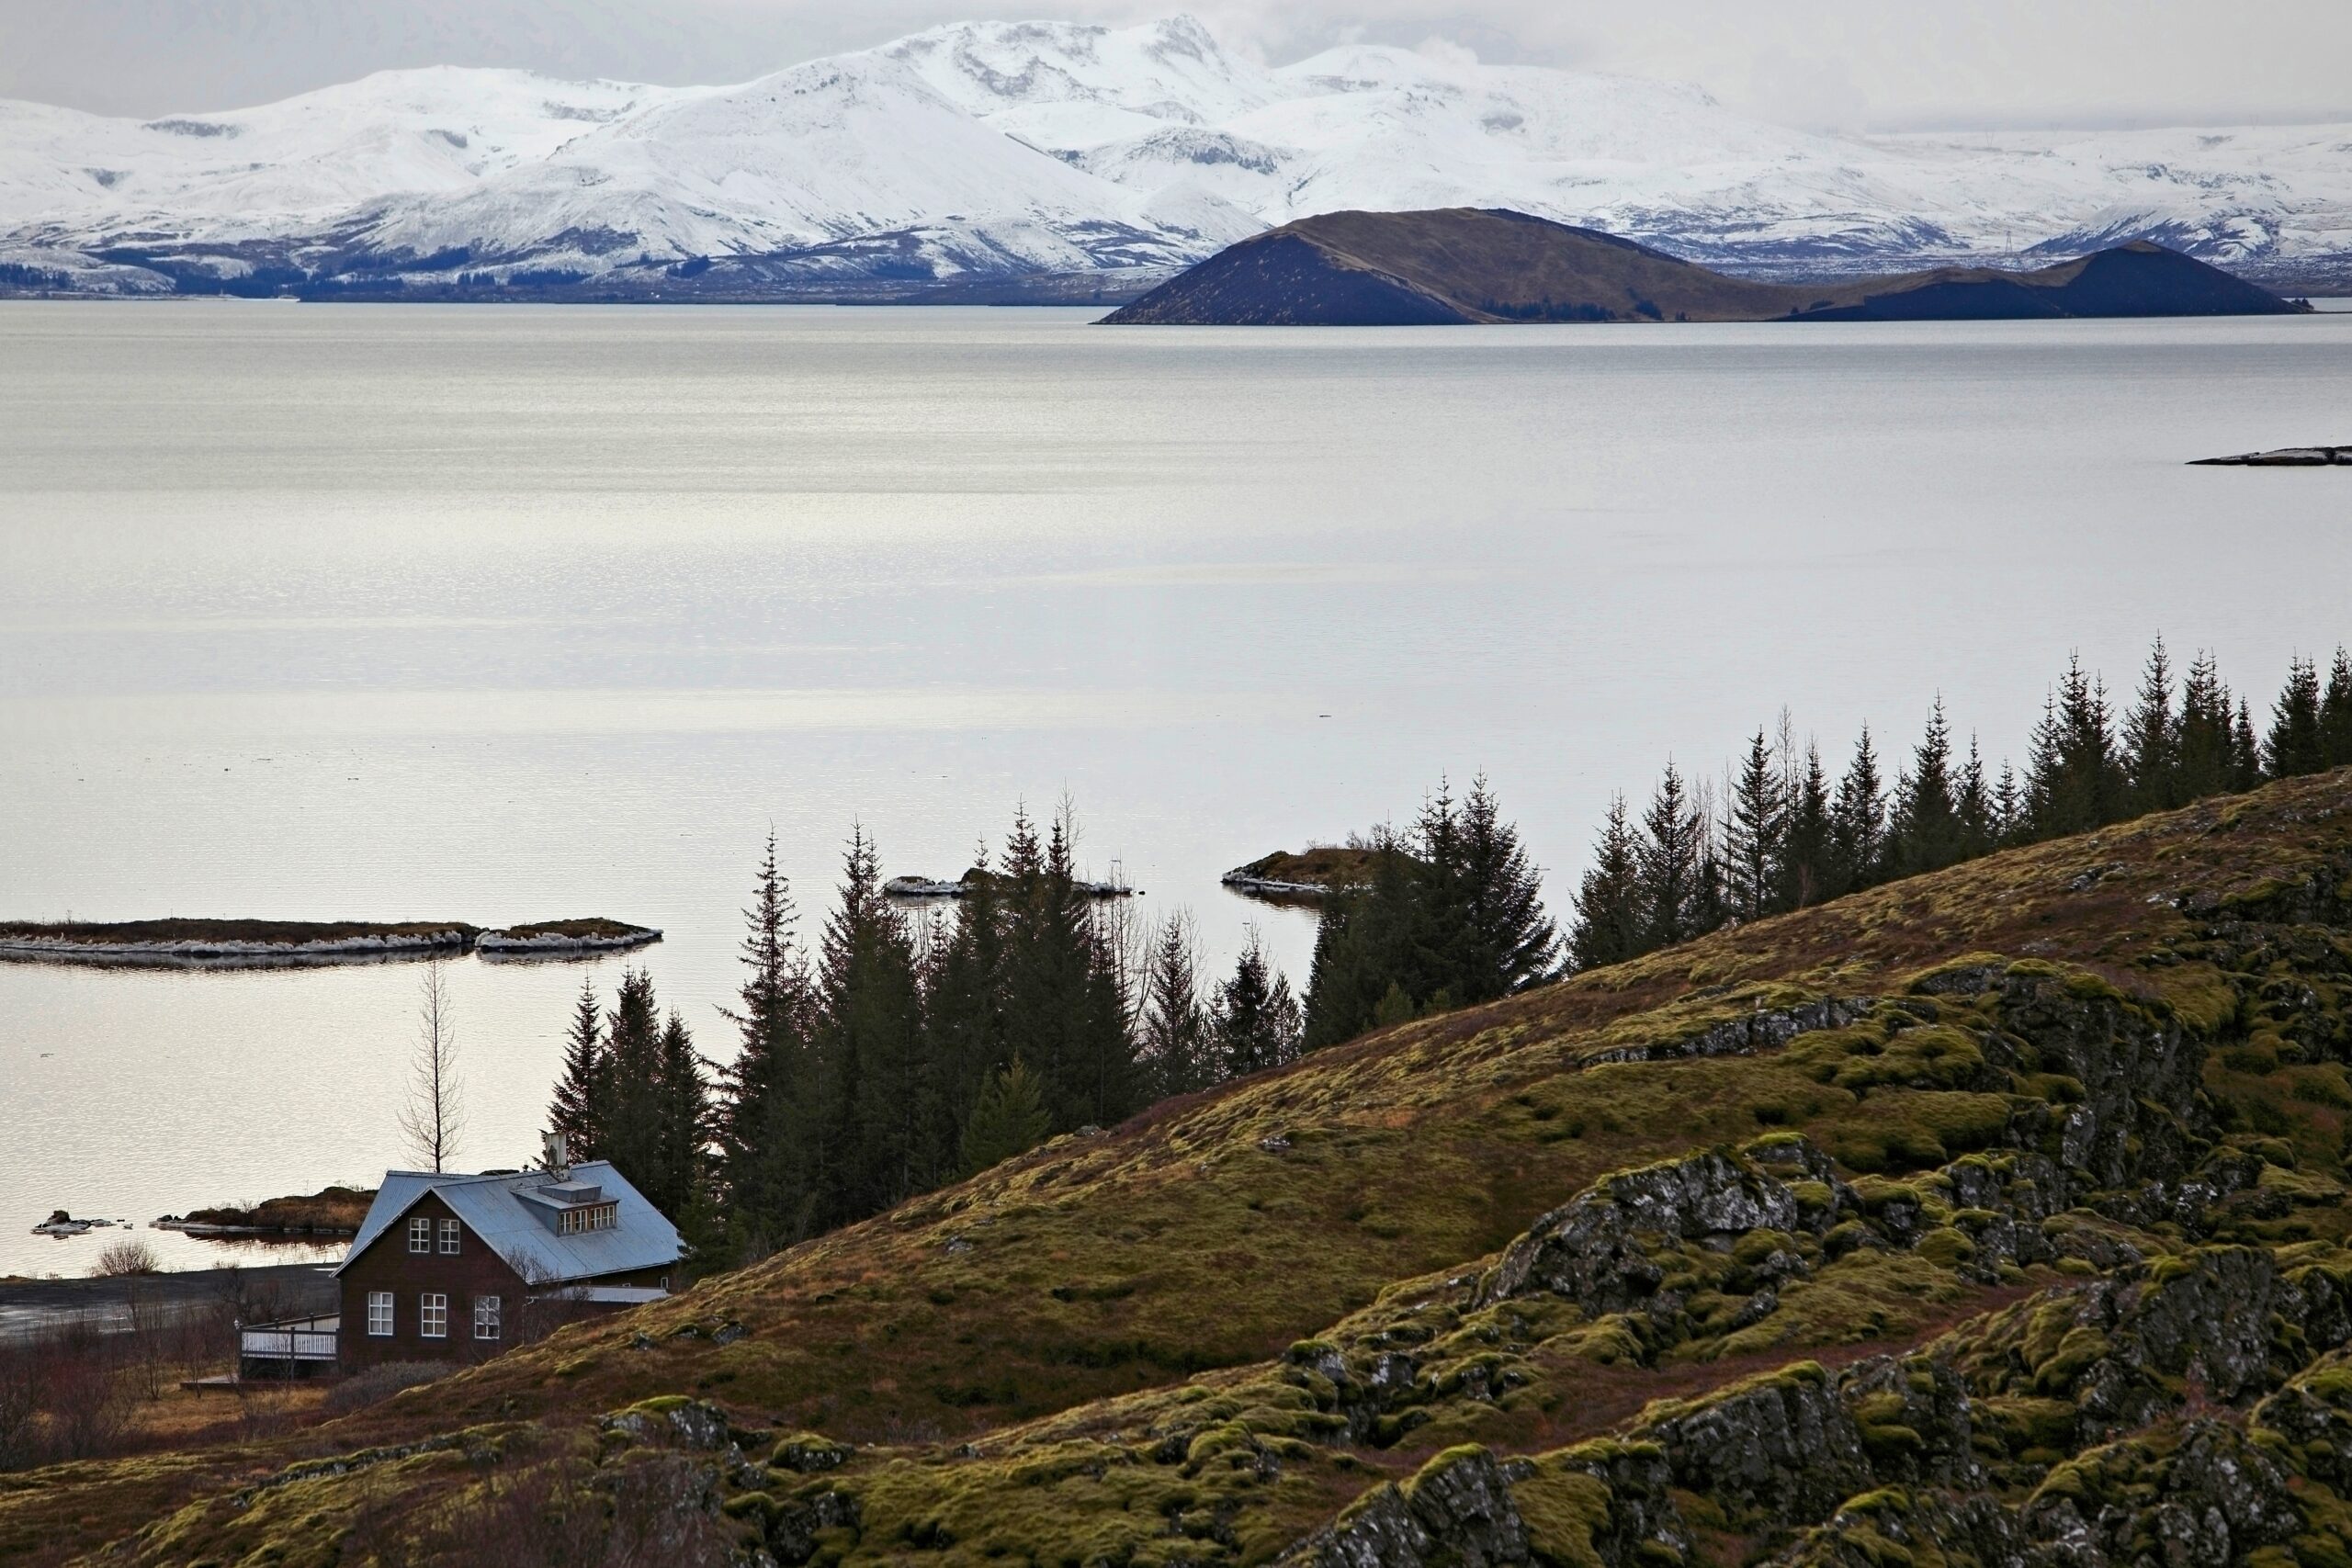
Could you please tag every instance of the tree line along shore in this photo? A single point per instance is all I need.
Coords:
(904, 1050)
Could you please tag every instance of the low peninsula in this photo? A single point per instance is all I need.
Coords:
(234, 941)
(1303, 875)
(1462, 266)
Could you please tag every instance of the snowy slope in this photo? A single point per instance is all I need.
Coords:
(1030, 149)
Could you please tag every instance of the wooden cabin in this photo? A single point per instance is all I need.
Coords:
(458, 1268)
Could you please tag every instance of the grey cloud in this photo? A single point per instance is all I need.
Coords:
(1844, 64)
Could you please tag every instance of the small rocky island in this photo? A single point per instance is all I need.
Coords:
(1462, 266)
(963, 886)
(1303, 875)
(2281, 457)
(227, 942)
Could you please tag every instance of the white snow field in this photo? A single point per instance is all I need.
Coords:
(1005, 151)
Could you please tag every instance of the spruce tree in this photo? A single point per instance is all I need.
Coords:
(2245, 754)
(1668, 856)
(1858, 822)
(764, 1095)
(633, 1109)
(1807, 872)
(2203, 759)
(1371, 940)
(2335, 713)
(1008, 1119)
(2152, 738)
(871, 1033)
(683, 1128)
(2296, 744)
(1612, 924)
(1927, 833)
(1754, 833)
(2076, 780)
(578, 1111)
(1065, 1006)
(964, 995)
(1979, 828)
(1505, 941)
(2009, 808)
(1177, 1054)
(1254, 1022)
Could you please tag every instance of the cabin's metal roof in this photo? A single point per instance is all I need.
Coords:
(497, 1210)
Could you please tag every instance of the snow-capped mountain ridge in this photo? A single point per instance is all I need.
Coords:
(1010, 152)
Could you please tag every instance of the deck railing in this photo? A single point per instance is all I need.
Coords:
(304, 1340)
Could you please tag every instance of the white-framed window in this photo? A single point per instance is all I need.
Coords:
(433, 1315)
(449, 1237)
(379, 1313)
(485, 1317)
(420, 1235)
(597, 1217)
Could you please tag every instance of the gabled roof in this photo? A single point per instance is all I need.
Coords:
(498, 1210)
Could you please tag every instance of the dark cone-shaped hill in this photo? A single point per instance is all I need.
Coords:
(1993, 1216)
(1466, 264)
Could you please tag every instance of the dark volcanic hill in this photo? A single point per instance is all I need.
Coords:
(1464, 265)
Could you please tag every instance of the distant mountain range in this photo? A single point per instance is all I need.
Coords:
(1050, 160)
(1460, 265)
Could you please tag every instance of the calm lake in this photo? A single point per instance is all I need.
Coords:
(502, 614)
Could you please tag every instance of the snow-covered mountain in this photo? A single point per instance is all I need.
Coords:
(1078, 158)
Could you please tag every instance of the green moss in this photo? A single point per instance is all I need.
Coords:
(1564, 1509)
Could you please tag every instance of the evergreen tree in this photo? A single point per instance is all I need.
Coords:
(2076, 781)
(1009, 1119)
(633, 1109)
(1858, 822)
(1371, 942)
(870, 1033)
(1668, 857)
(1254, 1022)
(1754, 834)
(1980, 830)
(1503, 940)
(681, 1170)
(2336, 712)
(2152, 738)
(2296, 743)
(578, 1111)
(761, 1122)
(2245, 754)
(1926, 832)
(1065, 1006)
(2203, 760)
(964, 996)
(1808, 872)
(2009, 810)
(1612, 924)
(1178, 1056)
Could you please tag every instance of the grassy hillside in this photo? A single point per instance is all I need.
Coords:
(1931, 1214)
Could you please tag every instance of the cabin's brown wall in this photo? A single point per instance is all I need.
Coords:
(476, 1270)
(389, 1264)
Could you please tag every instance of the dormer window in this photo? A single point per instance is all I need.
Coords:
(588, 1217)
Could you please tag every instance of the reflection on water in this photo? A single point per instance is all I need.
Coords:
(360, 613)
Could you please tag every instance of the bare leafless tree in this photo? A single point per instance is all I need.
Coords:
(433, 1119)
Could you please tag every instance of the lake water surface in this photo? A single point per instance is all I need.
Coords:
(515, 613)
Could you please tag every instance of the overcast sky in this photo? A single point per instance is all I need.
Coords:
(1833, 63)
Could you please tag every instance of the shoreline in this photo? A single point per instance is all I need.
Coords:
(218, 944)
